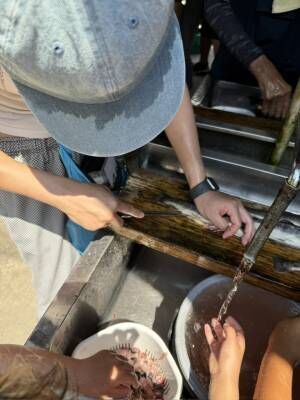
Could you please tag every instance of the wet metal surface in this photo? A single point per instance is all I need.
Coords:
(116, 280)
(233, 97)
(153, 291)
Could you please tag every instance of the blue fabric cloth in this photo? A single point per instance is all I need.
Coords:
(79, 237)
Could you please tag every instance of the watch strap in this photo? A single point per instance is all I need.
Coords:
(205, 186)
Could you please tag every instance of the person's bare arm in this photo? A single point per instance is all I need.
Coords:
(183, 135)
(275, 378)
(91, 206)
(215, 206)
(276, 371)
(35, 373)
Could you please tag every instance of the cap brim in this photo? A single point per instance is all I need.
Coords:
(122, 126)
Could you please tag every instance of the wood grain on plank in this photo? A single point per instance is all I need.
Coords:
(237, 119)
(189, 239)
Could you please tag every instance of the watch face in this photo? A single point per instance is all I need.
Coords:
(212, 184)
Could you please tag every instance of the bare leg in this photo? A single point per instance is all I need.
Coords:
(202, 66)
(204, 50)
(216, 45)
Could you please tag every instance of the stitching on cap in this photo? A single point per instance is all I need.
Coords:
(110, 71)
(111, 83)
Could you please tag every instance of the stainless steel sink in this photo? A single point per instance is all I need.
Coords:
(233, 97)
(116, 280)
(236, 135)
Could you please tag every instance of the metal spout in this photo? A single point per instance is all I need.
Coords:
(286, 194)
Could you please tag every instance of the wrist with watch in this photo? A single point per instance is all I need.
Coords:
(207, 185)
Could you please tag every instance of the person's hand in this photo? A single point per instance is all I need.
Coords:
(285, 340)
(227, 348)
(94, 206)
(226, 213)
(105, 376)
(276, 92)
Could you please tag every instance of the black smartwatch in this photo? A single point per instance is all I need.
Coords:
(205, 186)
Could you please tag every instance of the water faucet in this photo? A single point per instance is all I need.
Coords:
(286, 194)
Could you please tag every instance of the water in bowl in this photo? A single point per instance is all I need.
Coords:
(257, 310)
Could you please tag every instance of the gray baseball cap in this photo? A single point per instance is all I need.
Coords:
(103, 76)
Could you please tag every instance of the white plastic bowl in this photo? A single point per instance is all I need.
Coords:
(140, 336)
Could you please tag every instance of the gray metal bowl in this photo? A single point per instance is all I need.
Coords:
(257, 310)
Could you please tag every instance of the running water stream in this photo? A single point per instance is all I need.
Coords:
(243, 268)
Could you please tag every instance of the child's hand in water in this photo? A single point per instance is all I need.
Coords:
(226, 349)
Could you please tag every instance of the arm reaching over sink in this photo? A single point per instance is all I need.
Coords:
(226, 213)
(276, 92)
(39, 374)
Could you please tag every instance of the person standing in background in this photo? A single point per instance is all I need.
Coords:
(258, 46)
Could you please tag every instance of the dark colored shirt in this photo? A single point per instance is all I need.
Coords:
(219, 14)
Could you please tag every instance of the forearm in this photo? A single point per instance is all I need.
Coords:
(222, 19)
(275, 378)
(183, 136)
(39, 185)
(223, 388)
(32, 373)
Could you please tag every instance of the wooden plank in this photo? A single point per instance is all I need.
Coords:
(236, 119)
(188, 238)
